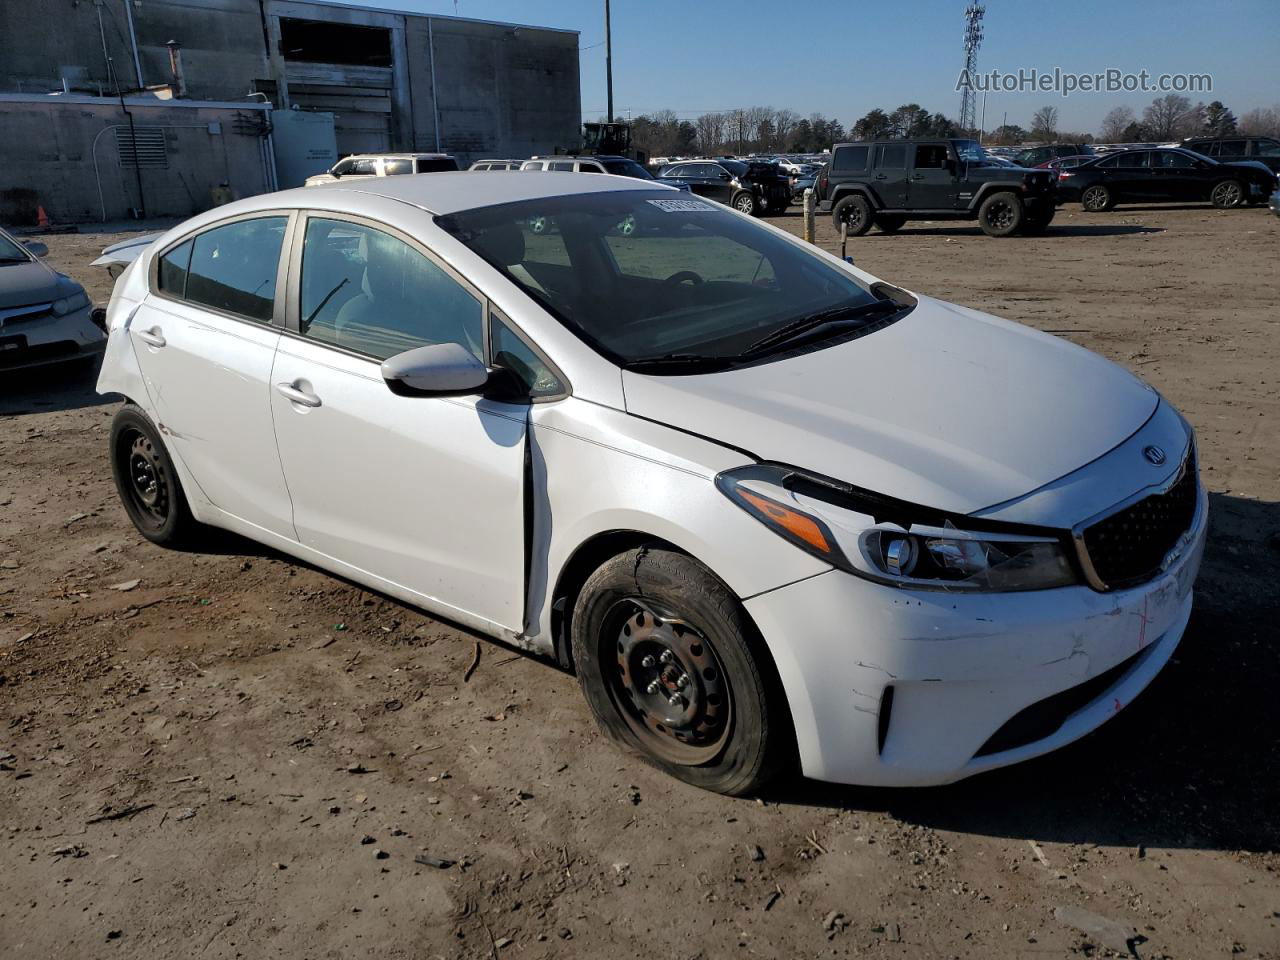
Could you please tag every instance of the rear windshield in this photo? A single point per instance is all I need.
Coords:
(643, 275)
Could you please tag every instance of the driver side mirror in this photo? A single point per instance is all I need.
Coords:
(437, 370)
(36, 248)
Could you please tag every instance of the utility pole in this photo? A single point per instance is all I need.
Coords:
(608, 59)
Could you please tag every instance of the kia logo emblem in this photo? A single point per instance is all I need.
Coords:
(1154, 455)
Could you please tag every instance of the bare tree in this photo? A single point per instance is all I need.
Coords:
(1262, 122)
(711, 128)
(784, 121)
(1114, 124)
(1167, 115)
(1044, 123)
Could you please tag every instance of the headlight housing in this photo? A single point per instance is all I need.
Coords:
(66, 305)
(897, 543)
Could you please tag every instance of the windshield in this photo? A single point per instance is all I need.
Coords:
(11, 251)
(627, 168)
(645, 275)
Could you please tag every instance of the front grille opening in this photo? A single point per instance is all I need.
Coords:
(1128, 547)
(1045, 717)
(882, 718)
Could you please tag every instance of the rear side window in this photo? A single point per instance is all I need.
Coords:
(1169, 160)
(233, 268)
(172, 278)
(893, 156)
(566, 165)
(1232, 148)
(436, 164)
(392, 168)
(1266, 148)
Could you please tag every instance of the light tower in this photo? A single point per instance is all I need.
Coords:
(972, 40)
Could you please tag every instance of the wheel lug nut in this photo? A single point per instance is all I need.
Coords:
(667, 656)
(648, 661)
(675, 700)
(654, 686)
(683, 681)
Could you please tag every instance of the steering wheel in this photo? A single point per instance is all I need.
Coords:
(682, 276)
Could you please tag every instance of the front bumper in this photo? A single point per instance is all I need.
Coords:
(51, 340)
(978, 681)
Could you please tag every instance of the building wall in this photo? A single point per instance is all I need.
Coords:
(50, 147)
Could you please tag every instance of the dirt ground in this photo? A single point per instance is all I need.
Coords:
(240, 756)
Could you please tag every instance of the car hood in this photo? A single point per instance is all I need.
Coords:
(24, 283)
(948, 408)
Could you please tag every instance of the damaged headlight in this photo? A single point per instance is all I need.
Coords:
(893, 542)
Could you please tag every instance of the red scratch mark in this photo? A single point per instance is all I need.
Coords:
(1142, 632)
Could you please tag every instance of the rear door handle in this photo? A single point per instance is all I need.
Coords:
(881, 176)
(297, 396)
(152, 337)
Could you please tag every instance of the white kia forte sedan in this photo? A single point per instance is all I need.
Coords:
(777, 514)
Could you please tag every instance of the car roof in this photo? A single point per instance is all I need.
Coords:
(392, 156)
(454, 191)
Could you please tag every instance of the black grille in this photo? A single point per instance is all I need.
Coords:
(1128, 547)
(1044, 717)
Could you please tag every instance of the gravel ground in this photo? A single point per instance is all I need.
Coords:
(229, 754)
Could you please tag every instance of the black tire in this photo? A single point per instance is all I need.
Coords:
(853, 211)
(1097, 199)
(673, 671)
(147, 482)
(1036, 224)
(1227, 194)
(890, 223)
(747, 203)
(1001, 214)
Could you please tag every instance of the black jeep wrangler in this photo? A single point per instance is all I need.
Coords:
(886, 183)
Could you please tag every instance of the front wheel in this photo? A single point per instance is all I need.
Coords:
(1227, 194)
(1097, 199)
(1001, 215)
(147, 482)
(673, 670)
(746, 203)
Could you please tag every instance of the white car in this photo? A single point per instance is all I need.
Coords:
(360, 166)
(777, 514)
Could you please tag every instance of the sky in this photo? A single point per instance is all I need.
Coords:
(841, 58)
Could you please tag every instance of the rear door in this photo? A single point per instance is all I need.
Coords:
(890, 180)
(205, 338)
(1177, 174)
(423, 493)
(932, 182)
(1131, 176)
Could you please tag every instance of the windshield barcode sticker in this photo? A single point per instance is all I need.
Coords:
(682, 206)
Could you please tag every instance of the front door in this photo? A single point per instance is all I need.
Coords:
(932, 182)
(1178, 175)
(424, 493)
(205, 338)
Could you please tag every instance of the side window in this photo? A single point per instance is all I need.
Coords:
(393, 168)
(1232, 148)
(343, 167)
(172, 275)
(366, 291)
(1168, 160)
(511, 353)
(931, 156)
(364, 168)
(850, 159)
(533, 165)
(589, 168)
(564, 165)
(1109, 163)
(437, 164)
(1266, 148)
(893, 156)
(233, 268)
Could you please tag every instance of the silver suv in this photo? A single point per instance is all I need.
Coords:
(384, 165)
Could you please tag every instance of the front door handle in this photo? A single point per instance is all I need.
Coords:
(152, 337)
(297, 396)
(881, 176)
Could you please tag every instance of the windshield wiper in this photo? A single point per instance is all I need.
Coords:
(810, 322)
(668, 361)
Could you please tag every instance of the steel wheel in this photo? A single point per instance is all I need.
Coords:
(666, 682)
(1094, 199)
(1227, 194)
(148, 486)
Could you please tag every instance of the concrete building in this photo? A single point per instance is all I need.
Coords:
(392, 81)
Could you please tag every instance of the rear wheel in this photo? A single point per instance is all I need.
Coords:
(853, 212)
(1001, 215)
(1097, 199)
(1227, 194)
(888, 223)
(746, 203)
(672, 669)
(147, 482)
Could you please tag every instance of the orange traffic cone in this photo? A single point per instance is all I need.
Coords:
(42, 218)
